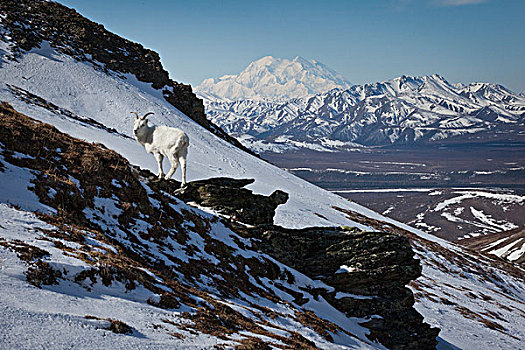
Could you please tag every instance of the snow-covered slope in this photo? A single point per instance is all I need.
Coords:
(275, 79)
(106, 250)
(90, 104)
(509, 245)
(404, 110)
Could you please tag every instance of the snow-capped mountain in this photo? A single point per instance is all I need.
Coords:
(94, 254)
(273, 79)
(404, 110)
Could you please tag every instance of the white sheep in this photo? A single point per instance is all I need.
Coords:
(163, 141)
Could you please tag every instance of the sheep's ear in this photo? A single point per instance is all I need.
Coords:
(136, 114)
(146, 115)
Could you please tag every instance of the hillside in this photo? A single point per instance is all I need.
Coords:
(29, 23)
(82, 222)
(509, 244)
(95, 255)
(102, 228)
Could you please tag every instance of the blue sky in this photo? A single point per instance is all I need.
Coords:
(364, 40)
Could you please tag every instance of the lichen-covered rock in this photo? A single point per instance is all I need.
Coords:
(369, 271)
(227, 196)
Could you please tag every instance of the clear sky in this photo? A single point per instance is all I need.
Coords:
(364, 40)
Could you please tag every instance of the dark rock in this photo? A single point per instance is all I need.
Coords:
(227, 196)
(379, 265)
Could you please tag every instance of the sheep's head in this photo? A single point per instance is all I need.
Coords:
(140, 122)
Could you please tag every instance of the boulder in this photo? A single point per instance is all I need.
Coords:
(228, 197)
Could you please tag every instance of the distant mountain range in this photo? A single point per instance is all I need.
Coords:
(404, 110)
(274, 79)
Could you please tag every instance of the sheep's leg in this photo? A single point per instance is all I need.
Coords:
(182, 154)
(182, 161)
(159, 157)
(174, 165)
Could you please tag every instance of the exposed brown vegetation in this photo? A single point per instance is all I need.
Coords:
(223, 320)
(115, 326)
(475, 316)
(41, 273)
(25, 252)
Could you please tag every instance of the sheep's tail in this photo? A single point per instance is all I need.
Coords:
(182, 143)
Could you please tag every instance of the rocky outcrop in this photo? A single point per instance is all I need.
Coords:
(369, 271)
(29, 22)
(227, 196)
(127, 232)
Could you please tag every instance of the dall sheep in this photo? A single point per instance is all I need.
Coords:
(163, 141)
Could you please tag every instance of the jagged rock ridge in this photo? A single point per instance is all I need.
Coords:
(369, 271)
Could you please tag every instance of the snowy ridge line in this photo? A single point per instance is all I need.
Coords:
(404, 110)
(508, 245)
(513, 254)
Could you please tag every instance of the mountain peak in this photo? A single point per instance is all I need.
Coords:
(436, 77)
(303, 60)
(276, 79)
(266, 60)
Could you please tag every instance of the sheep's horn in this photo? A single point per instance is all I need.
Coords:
(145, 115)
(136, 114)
